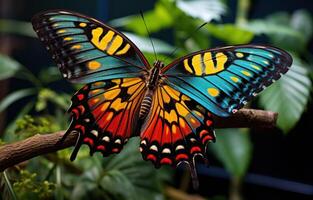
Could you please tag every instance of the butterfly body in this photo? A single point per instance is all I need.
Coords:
(152, 82)
(170, 107)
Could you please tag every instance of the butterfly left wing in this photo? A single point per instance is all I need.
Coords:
(105, 114)
(223, 79)
(176, 129)
(85, 49)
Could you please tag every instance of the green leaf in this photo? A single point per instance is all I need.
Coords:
(206, 10)
(16, 27)
(288, 96)
(230, 33)
(15, 96)
(302, 21)
(233, 148)
(159, 18)
(144, 44)
(8, 67)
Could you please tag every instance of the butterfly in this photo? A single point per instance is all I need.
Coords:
(170, 107)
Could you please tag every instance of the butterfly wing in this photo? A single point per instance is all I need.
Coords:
(105, 114)
(223, 79)
(87, 50)
(176, 129)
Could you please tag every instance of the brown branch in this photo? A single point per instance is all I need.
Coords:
(12, 154)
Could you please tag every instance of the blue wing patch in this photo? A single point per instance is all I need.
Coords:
(229, 78)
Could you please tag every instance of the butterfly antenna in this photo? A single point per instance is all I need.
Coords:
(197, 29)
(143, 19)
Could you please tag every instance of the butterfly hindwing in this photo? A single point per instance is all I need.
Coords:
(224, 79)
(105, 114)
(176, 129)
(87, 50)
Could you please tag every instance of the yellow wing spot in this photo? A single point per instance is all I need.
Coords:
(117, 42)
(76, 47)
(192, 120)
(213, 92)
(173, 93)
(186, 65)
(101, 44)
(184, 98)
(55, 25)
(234, 78)
(174, 129)
(82, 24)
(182, 122)
(256, 67)
(105, 106)
(132, 89)
(118, 104)
(182, 111)
(117, 81)
(166, 97)
(167, 130)
(111, 94)
(93, 65)
(198, 113)
(197, 64)
(124, 50)
(135, 93)
(61, 31)
(68, 39)
(171, 117)
(130, 81)
(208, 62)
(221, 59)
(109, 117)
(239, 55)
(159, 97)
(94, 92)
(95, 100)
(244, 72)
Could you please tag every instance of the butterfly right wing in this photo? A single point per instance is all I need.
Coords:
(105, 114)
(87, 50)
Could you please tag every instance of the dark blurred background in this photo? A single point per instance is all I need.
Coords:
(268, 164)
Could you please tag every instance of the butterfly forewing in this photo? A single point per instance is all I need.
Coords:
(224, 79)
(87, 50)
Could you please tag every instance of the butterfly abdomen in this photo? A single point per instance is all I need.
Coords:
(146, 104)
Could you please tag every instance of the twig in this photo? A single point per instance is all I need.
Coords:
(12, 154)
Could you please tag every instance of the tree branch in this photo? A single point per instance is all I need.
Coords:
(12, 154)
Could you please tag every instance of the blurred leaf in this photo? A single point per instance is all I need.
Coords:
(49, 74)
(230, 33)
(159, 18)
(126, 171)
(205, 10)
(144, 44)
(27, 187)
(7, 186)
(8, 67)
(233, 148)
(47, 95)
(16, 27)
(267, 27)
(289, 95)
(291, 32)
(302, 21)
(15, 96)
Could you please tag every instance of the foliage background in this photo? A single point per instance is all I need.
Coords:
(251, 164)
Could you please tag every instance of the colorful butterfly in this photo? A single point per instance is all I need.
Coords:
(169, 107)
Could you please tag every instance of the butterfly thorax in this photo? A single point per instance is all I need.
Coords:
(152, 82)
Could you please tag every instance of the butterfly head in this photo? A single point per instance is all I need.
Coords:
(158, 64)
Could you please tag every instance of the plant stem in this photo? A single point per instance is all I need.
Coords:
(7, 181)
(243, 8)
(235, 187)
